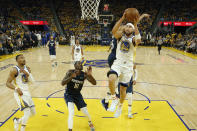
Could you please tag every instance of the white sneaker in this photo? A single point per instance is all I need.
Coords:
(130, 116)
(16, 124)
(118, 112)
(113, 105)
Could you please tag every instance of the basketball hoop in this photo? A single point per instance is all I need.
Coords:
(89, 9)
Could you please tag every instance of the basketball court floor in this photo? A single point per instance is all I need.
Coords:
(165, 96)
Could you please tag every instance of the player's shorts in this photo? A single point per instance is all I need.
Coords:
(52, 52)
(77, 99)
(123, 70)
(129, 88)
(111, 59)
(77, 57)
(24, 101)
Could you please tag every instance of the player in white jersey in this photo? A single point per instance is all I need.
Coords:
(19, 78)
(77, 52)
(122, 67)
(72, 40)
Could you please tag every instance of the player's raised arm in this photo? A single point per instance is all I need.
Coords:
(137, 33)
(82, 53)
(144, 16)
(89, 76)
(68, 77)
(73, 52)
(116, 31)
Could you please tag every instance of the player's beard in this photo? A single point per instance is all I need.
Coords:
(127, 34)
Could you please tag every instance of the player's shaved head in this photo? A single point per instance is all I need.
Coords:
(78, 65)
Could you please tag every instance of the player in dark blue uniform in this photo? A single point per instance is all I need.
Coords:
(112, 55)
(74, 81)
(51, 44)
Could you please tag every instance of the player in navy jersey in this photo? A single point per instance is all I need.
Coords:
(74, 81)
(52, 45)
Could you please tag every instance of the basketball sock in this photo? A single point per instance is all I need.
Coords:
(23, 127)
(33, 111)
(129, 108)
(107, 97)
(85, 112)
(71, 114)
(129, 95)
(27, 114)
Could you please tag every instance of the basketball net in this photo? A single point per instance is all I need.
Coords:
(89, 9)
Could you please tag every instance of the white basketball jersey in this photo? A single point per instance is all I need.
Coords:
(77, 52)
(125, 49)
(20, 80)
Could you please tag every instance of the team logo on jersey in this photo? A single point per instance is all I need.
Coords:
(77, 50)
(124, 47)
(24, 78)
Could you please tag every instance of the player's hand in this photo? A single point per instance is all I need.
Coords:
(73, 75)
(82, 58)
(25, 72)
(19, 91)
(134, 82)
(89, 70)
(146, 15)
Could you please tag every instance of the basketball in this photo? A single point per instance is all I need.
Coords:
(131, 14)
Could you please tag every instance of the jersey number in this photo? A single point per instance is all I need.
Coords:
(76, 86)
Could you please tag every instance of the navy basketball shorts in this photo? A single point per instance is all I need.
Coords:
(77, 99)
(52, 52)
(111, 59)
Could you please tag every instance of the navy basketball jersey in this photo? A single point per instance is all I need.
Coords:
(76, 84)
(51, 44)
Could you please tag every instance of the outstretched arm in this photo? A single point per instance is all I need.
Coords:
(116, 31)
(144, 16)
(73, 52)
(137, 33)
(89, 76)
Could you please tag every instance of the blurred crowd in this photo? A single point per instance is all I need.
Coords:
(187, 42)
(87, 31)
(180, 10)
(14, 37)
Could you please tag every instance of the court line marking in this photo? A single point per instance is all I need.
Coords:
(8, 118)
(178, 115)
(49, 96)
(190, 55)
(97, 98)
(153, 83)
